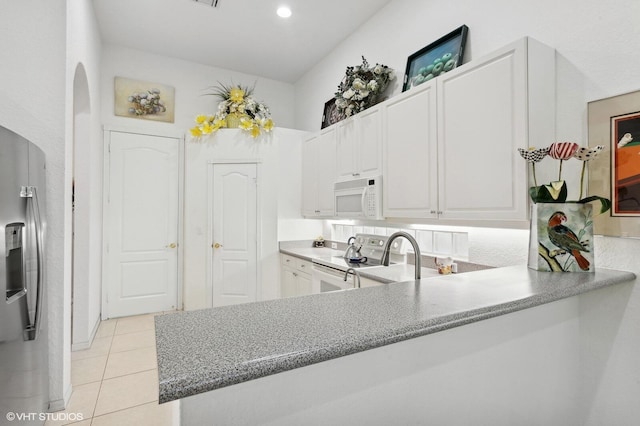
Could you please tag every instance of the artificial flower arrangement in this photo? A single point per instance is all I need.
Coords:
(556, 191)
(361, 87)
(236, 104)
(561, 230)
(146, 103)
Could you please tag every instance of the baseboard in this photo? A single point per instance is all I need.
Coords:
(80, 346)
(61, 404)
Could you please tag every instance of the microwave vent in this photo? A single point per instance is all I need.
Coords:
(356, 183)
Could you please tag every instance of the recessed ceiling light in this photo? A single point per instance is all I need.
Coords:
(284, 12)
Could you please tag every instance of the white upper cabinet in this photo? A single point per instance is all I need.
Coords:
(359, 145)
(318, 174)
(471, 120)
(410, 154)
(447, 148)
(486, 110)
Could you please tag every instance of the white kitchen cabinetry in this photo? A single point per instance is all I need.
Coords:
(368, 282)
(318, 174)
(483, 111)
(410, 177)
(487, 110)
(359, 145)
(296, 277)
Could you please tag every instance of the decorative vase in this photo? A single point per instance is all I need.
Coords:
(561, 238)
(233, 120)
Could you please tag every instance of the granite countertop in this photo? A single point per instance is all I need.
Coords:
(199, 351)
(309, 253)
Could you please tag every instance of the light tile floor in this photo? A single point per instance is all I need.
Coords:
(115, 382)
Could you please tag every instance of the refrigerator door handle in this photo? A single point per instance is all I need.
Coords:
(31, 194)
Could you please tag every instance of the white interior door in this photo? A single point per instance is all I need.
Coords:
(142, 216)
(234, 234)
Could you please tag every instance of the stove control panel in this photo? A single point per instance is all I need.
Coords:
(373, 245)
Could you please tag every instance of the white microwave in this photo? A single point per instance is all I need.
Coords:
(359, 198)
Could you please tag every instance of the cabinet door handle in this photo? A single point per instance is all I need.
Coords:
(432, 212)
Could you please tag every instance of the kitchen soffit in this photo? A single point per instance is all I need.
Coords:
(240, 35)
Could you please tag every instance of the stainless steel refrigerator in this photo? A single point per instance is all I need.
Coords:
(24, 371)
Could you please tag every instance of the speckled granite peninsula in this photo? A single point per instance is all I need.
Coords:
(199, 351)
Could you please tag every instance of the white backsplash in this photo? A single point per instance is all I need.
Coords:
(431, 242)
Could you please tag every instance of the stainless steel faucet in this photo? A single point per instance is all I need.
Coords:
(416, 250)
(346, 275)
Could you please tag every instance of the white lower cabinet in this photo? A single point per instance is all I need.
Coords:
(368, 282)
(295, 277)
(449, 145)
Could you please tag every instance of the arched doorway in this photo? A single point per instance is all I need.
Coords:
(81, 180)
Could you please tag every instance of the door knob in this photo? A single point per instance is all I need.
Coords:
(217, 245)
(172, 245)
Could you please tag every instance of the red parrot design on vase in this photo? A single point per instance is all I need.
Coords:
(566, 239)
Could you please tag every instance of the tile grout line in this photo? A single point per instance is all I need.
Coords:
(128, 374)
(124, 409)
(93, 412)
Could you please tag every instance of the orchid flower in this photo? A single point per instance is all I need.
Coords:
(562, 151)
(585, 155)
(533, 156)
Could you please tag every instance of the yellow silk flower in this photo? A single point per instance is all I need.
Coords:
(236, 95)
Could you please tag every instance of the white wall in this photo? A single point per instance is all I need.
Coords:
(590, 36)
(594, 61)
(281, 159)
(32, 104)
(291, 226)
(274, 153)
(84, 136)
(191, 82)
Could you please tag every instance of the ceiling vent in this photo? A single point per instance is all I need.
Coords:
(212, 3)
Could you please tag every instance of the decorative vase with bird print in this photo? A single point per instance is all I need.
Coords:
(561, 238)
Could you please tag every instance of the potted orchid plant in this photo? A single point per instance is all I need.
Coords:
(561, 230)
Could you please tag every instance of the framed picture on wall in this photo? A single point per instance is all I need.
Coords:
(625, 164)
(615, 123)
(330, 115)
(143, 99)
(436, 58)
